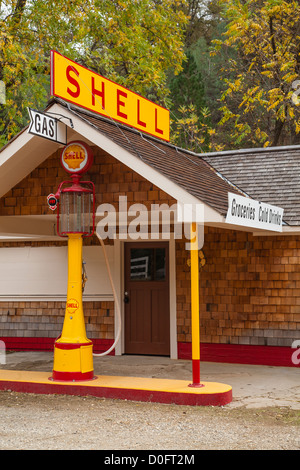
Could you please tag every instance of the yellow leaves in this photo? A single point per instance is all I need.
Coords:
(217, 43)
(132, 42)
(264, 39)
(122, 4)
(290, 77)
(287, 65)
(297, 126)
(276, 98)
(261, 136)
(291, 112)
(251, 66)
(192, 131)
(227, 115)
(268, 73)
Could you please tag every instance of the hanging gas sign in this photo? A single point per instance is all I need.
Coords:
(46, 126)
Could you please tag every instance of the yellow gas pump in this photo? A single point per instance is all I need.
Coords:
(73, 351)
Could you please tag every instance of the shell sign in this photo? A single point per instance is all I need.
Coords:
(76, 157)
(78, 85)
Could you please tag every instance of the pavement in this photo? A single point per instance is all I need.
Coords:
(252, 386)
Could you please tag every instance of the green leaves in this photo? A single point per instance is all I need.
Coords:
(134, 43)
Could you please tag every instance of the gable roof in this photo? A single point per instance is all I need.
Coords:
(271, 175)
(183, 167)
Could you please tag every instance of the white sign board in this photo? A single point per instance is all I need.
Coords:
(250, 213)
(46, 126)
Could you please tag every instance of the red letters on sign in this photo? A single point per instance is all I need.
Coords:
(159, 131)
(121, 103)
(98, 89)
(73, 81)
(87, 89)
(139, 121)
(98, 93)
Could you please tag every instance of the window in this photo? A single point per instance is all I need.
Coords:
(147, 264)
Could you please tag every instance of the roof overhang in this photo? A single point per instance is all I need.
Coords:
(93, 136)
(25, 152)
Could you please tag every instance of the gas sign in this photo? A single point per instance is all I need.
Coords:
(47, 127)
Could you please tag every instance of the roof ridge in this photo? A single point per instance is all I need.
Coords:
(250, 150)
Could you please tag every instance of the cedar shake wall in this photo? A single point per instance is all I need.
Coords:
(45, 319)
(111, 179)
(249, 289)
(29, 197)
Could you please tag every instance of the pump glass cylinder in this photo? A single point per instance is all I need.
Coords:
(75, 212)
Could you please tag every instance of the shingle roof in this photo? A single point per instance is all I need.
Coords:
(269, 175)
(182, 167)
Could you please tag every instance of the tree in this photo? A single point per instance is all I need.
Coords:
(187, 88)
(195, 90)
(190, 116)
(133, 43)
(259, 101)
(193, 131)
(204, 18)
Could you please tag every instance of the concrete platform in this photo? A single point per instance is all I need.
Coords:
(253, 386)
(126, 388)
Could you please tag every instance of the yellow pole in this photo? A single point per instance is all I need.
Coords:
(195, 306)
(73, 352)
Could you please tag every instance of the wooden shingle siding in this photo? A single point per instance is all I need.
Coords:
(111, 179)
(45, 319)
(249, 289)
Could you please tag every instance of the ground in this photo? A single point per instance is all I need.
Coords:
(264, 413)
(51, 422)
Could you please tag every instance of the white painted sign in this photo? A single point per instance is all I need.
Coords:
(251, 213)
(46, 126)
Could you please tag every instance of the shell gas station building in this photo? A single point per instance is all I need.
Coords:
(139, 284)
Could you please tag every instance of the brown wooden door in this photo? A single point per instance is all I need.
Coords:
(147, 310)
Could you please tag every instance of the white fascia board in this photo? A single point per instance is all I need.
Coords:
(94, 137)
(27, 226)
(286, 230)
(20, 157)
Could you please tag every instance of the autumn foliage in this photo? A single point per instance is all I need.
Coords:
(228, 70)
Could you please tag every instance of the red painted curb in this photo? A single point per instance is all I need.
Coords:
(214, 399)
(215, 352)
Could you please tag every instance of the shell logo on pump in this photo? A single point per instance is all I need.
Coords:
(72, 305)
(76, 157)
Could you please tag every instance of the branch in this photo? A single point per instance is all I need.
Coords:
(272, 36)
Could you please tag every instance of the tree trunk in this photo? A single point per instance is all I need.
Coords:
(277, 132)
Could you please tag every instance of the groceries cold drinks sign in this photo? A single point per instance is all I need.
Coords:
(87, 89)
(250, 213)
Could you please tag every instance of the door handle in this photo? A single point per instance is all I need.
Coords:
(126, 298)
